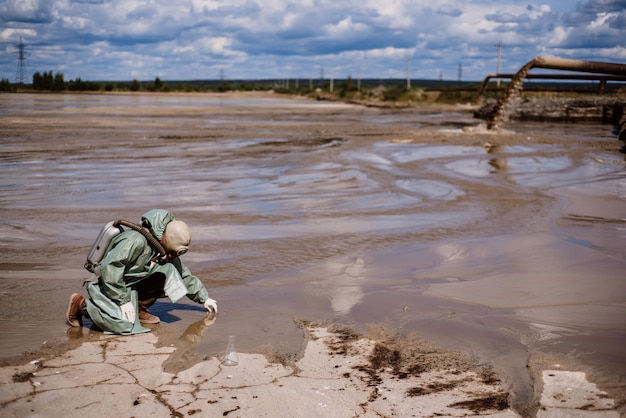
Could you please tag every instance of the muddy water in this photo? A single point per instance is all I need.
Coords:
(321, 211)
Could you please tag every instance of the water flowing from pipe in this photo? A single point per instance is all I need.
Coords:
(510, 96)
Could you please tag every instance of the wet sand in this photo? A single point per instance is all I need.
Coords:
(301, 210)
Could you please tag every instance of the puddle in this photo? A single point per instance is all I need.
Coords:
(473, 168)
(431, 189)
(422, 152)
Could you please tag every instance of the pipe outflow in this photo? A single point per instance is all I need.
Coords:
(516, 85)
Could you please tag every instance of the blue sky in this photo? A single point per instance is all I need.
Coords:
(283, 39)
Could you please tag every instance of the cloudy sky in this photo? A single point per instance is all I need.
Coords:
(282, 39)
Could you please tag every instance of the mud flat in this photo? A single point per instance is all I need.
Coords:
(504, 249)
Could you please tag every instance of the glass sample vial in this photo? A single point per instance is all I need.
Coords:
(231, 358)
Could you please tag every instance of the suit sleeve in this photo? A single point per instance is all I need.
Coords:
(196, 291)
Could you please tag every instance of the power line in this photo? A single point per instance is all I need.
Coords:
(20, 74)
(499, 52)
(408, 72)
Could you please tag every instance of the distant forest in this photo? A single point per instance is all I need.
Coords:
(382, 89)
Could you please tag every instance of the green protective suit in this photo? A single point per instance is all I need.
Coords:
(128, 261)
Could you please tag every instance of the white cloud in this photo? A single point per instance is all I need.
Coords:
(267, 38)
(75, 22)
(397, 14)
(601, 20)
(559, 35)
(26, 10)
(10, 35)
(182, 50)
(219, 45)
(344, 28)
(289, 20)
(388, 52)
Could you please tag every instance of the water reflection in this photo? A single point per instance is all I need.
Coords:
(343, 288)
(186, 344)
(473, 168)
(423, 152)
(431, 188)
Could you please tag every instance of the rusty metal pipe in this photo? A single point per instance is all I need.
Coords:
(602, 78)
(555, 76)
(565, 64)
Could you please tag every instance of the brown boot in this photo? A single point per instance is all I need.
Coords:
(75, 310)
(146, 317)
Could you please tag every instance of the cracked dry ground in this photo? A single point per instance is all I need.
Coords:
(340, 374)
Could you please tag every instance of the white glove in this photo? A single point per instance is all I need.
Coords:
(211, 305)
(128, 312)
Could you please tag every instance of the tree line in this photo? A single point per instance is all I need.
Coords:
(51, 82)
(394, 90)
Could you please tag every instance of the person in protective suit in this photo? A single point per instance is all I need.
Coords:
(130, 281)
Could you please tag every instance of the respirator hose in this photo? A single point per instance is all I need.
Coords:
(163, 256)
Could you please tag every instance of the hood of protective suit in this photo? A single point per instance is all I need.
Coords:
(156, 221)
(174, 235)
(176, 238)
